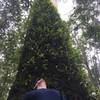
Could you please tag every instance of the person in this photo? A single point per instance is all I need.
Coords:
(43, 93)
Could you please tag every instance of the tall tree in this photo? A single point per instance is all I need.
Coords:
(48, 53)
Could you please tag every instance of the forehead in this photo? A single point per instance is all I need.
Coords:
(41, 80)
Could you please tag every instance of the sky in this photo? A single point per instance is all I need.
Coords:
(65, 8)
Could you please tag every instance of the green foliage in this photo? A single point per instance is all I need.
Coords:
(85, 26)
(48, 53)
(93, 31)
(9, 62)
(10, 42)
(86, 17)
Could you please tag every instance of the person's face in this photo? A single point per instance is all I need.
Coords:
(41, 84)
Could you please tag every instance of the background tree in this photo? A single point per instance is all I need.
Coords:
(10, 18)
(48, 53)
(85, 26)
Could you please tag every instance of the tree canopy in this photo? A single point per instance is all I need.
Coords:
(35, 40)
(48, 53)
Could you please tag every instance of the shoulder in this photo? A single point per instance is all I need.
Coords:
(43, 91)
(48, 92)
(53, 90)
(31, 92)
(27, 95)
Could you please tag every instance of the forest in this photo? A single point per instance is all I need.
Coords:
(35, 42)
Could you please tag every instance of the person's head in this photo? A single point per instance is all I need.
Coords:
(40, 84)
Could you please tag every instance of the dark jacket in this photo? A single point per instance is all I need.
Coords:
(43, 94)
